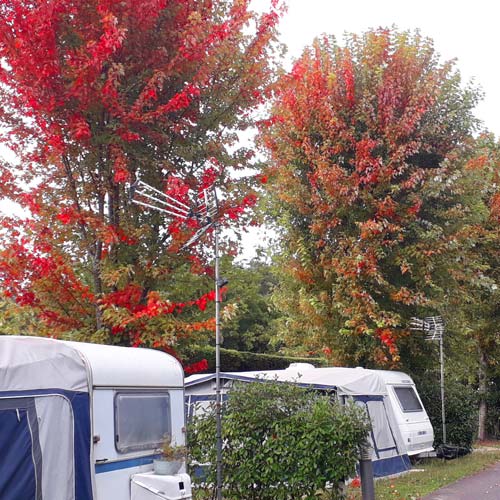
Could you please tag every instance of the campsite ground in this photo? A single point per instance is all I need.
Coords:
(430, 475)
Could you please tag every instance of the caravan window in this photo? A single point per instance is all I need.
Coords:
(408, 399)
(142, 420)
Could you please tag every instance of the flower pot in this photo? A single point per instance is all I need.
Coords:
(166, 467)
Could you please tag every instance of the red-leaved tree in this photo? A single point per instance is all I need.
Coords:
(364, 141)
(94, 95)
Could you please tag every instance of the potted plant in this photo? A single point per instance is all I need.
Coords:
(171, 458)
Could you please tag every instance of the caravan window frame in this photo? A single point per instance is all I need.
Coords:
(417, 398)
(151, 445)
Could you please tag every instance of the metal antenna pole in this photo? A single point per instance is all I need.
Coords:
(443, 413)
(218, 396)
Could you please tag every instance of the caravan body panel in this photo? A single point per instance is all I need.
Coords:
(413, 421)
(115, 464)
(138, 397)
(79, 420)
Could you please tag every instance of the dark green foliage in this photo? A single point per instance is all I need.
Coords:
(460, 407)
(237, 361)
(281, 442)
(251, 327)
(493, 400)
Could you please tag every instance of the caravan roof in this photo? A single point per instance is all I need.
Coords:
(130, 367)
(55, 363)
(393, 377)
(349, 381)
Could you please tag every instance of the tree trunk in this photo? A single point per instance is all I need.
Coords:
(483, 409)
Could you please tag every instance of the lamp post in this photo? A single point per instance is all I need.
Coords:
(206, 212)
(433, 328)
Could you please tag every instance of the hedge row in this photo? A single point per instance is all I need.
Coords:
(460, 408)
(237, 361)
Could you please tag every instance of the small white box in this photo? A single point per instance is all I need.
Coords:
(150, 486)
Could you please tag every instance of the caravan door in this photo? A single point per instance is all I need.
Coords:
(20, 457)
(36, 448)
(388, 453)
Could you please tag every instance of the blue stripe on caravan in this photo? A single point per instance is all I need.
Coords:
(124, 464)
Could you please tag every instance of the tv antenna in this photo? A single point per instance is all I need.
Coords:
(205, 210)
(433, 329)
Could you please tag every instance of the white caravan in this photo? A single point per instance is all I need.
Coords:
(392, 440)
(85, 421)
(414, 424)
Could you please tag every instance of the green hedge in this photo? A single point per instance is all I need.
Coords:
(238, 361)
(460, 409)
(280, 442)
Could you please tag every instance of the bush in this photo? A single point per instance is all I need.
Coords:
(281, 442)
(460, 408)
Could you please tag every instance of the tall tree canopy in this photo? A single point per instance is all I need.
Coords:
(365, 142)
(473, 299)
(98, 93)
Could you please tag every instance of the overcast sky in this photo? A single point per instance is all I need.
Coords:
(468, 31)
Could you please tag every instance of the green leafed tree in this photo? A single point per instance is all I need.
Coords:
(472, 300)
(15, 319)
(251, 325)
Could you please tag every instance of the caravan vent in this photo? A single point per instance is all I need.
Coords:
(301, 366)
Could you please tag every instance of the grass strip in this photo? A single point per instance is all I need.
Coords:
(436, 473)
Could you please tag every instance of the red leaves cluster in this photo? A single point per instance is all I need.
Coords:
(69, 60)
(236, 210)
(80, 128)
(356, 482)
(495, 207)
(347, 72)
(40, 278)
(131, 298)
(68, 215)
(197, 367)
(121, 173)
(386, 336)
